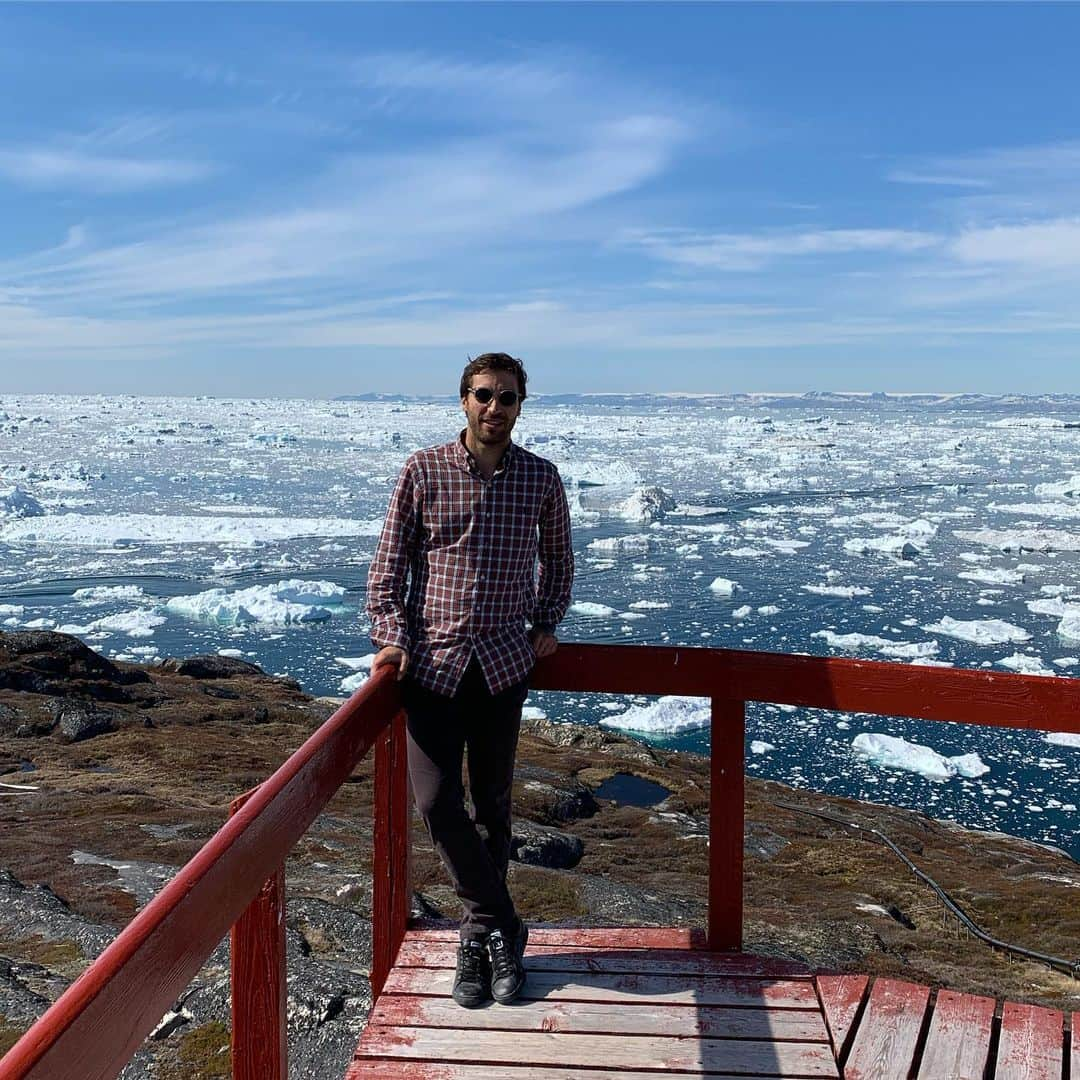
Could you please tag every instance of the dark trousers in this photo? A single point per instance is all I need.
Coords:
(475, 850)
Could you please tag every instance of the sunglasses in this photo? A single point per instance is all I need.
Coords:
(507, 398)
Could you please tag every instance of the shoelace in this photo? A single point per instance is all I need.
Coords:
(471, 962)
(502, 958)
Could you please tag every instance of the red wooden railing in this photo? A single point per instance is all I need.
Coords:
(237, 881)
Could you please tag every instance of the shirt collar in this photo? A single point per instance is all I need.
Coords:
(468, 462)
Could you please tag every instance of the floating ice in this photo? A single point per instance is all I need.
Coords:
(591, 610)
(646, 505)
(356, 663)
(138, 623)
(741, 612)
(666, 716)
(103, 594)
(1063, 738)
(1010, 540)
(292, 601)
(1040, 422)
(1024, 664)
(845, 592)
(622, 545)
(993, 577)
(1052, 510)
(758, 746)
(723, 586)
(649, 605)
(102, 529)
(979, 631)
(351, 683)
(1062, 489)
(896, 546)
(906, 650)
(1069, 627)
(16, 503)
(896, 753)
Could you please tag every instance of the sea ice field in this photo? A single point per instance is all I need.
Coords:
(154, 527)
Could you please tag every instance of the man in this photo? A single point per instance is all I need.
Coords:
(468, 524)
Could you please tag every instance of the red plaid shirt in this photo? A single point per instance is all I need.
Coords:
(469, 548)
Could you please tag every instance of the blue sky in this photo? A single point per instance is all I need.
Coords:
(310, 200)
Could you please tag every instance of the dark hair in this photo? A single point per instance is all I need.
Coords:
(493, 361)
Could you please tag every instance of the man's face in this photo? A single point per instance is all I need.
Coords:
(491, 424)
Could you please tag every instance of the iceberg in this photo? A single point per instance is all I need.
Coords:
(16, 503)
(893, 752)
(1024, 664)
(1010, 540)
(979, 631)
(591, 610)
(666, 716)
(905, 650)
(1062, 489)
(899, 547)
(990, 576)
(292, 601)
(646, 505)
(104, 594)
(844, 592)
(1063, 738)
(723, 586)
(621, 545)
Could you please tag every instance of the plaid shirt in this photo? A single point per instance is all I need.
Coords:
(469, 547)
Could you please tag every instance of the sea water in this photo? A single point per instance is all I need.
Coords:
(929, 534)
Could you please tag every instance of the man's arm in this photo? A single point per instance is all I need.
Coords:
(388, 572)
(556, 554)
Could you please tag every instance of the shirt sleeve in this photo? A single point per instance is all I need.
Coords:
(556, 560)
(386, 582)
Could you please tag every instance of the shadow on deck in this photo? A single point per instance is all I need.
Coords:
(638, 1003)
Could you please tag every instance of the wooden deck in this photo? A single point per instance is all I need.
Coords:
(650, 1003)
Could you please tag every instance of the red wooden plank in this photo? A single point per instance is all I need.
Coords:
(640, 989)
(655, 961)
(874, 686)
(257, 971)
(841, 996)
(598, 1018)
(727, 769)
(958, 1043)
(367, 1068)
(1074, 1056)
(607, 937)
(1031, 1043)
(103, 1017)
(618, 1052)
(888, 1033)
(391, 885)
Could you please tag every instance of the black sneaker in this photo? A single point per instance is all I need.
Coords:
(507, 970)
(472, 980)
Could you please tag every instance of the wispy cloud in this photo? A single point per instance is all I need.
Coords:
(109, 158)
(1044, 245)
(47, 167)
(756, 251)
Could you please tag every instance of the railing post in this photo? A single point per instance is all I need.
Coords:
(391, 881)
(726, 811)
(257, 961)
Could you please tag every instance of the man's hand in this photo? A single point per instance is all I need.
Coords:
(543, 643)
(391, 654)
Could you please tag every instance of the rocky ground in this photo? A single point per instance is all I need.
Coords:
(132, 770)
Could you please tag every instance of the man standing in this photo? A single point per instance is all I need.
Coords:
(457, 605)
